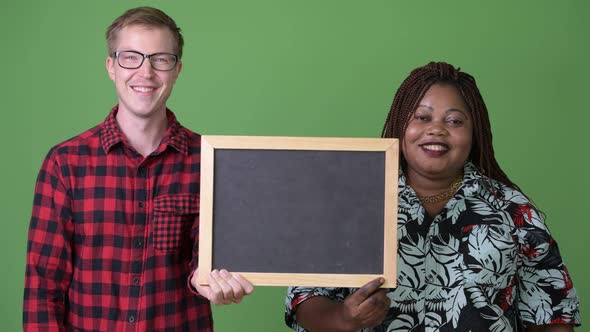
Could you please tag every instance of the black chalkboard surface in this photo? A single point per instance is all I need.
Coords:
(299, 210)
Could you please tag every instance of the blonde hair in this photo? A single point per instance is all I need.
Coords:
(146, 16)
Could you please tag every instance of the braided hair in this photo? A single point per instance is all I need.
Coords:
(411, 92)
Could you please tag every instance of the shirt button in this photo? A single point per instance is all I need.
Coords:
(131, 319)
(136, 281)
(138, 243)
(141, 205)
(429, 279)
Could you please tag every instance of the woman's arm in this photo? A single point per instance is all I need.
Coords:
(550, 328)
(367, 307)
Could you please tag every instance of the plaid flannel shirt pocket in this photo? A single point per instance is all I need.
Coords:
(174, 216)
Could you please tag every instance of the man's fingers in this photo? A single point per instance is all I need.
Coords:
(227, 293)
(239, 285)
(246, 285)
(236, 287)
(221, 292)
(215, 291)
(224, 287)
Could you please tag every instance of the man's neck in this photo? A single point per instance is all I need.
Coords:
(143, 134)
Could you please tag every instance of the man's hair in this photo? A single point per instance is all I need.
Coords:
(413, 89)
(145, 16)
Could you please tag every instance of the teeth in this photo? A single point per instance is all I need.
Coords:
(435, 147)
(142, 89)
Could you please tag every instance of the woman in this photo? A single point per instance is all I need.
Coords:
(474, 254)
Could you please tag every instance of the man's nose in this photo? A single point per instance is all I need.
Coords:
(146, 68)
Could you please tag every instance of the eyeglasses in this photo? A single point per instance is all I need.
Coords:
(134, 60)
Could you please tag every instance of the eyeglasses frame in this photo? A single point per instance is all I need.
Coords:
(144, 56)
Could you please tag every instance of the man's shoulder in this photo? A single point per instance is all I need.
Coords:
(82, 143)
(193, 138)
(190, 133)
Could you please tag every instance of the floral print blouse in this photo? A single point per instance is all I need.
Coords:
(485, 263)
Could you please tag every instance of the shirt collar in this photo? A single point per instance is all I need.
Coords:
(175, 136)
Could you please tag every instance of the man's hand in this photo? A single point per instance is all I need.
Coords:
(368, 306)
(224, 287)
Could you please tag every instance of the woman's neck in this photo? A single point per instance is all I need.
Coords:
(433, 192)
(429, 185)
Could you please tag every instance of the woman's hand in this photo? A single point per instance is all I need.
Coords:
(368, 306)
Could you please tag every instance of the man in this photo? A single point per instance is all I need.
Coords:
(113, 239)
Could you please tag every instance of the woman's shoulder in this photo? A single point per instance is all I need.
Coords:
(494, 189)
(511, 194)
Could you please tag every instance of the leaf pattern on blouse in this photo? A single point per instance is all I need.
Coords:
(484, 263)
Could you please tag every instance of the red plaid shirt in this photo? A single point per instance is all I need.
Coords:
(113, 235)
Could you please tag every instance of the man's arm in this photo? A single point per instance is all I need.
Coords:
(48, 265)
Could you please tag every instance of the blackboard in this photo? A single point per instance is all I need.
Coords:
(298, 210)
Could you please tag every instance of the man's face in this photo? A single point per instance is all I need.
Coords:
(143, 92)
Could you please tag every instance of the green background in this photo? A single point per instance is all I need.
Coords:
(306, 68)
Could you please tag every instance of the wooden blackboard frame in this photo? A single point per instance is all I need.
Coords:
(390, 147)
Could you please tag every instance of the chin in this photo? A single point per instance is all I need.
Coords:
(145, 110)
(438, 172)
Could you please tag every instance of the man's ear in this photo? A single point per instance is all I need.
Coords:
(178, 69)
(110, 64)
(179, 65)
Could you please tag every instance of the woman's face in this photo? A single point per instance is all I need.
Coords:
(438, 138)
